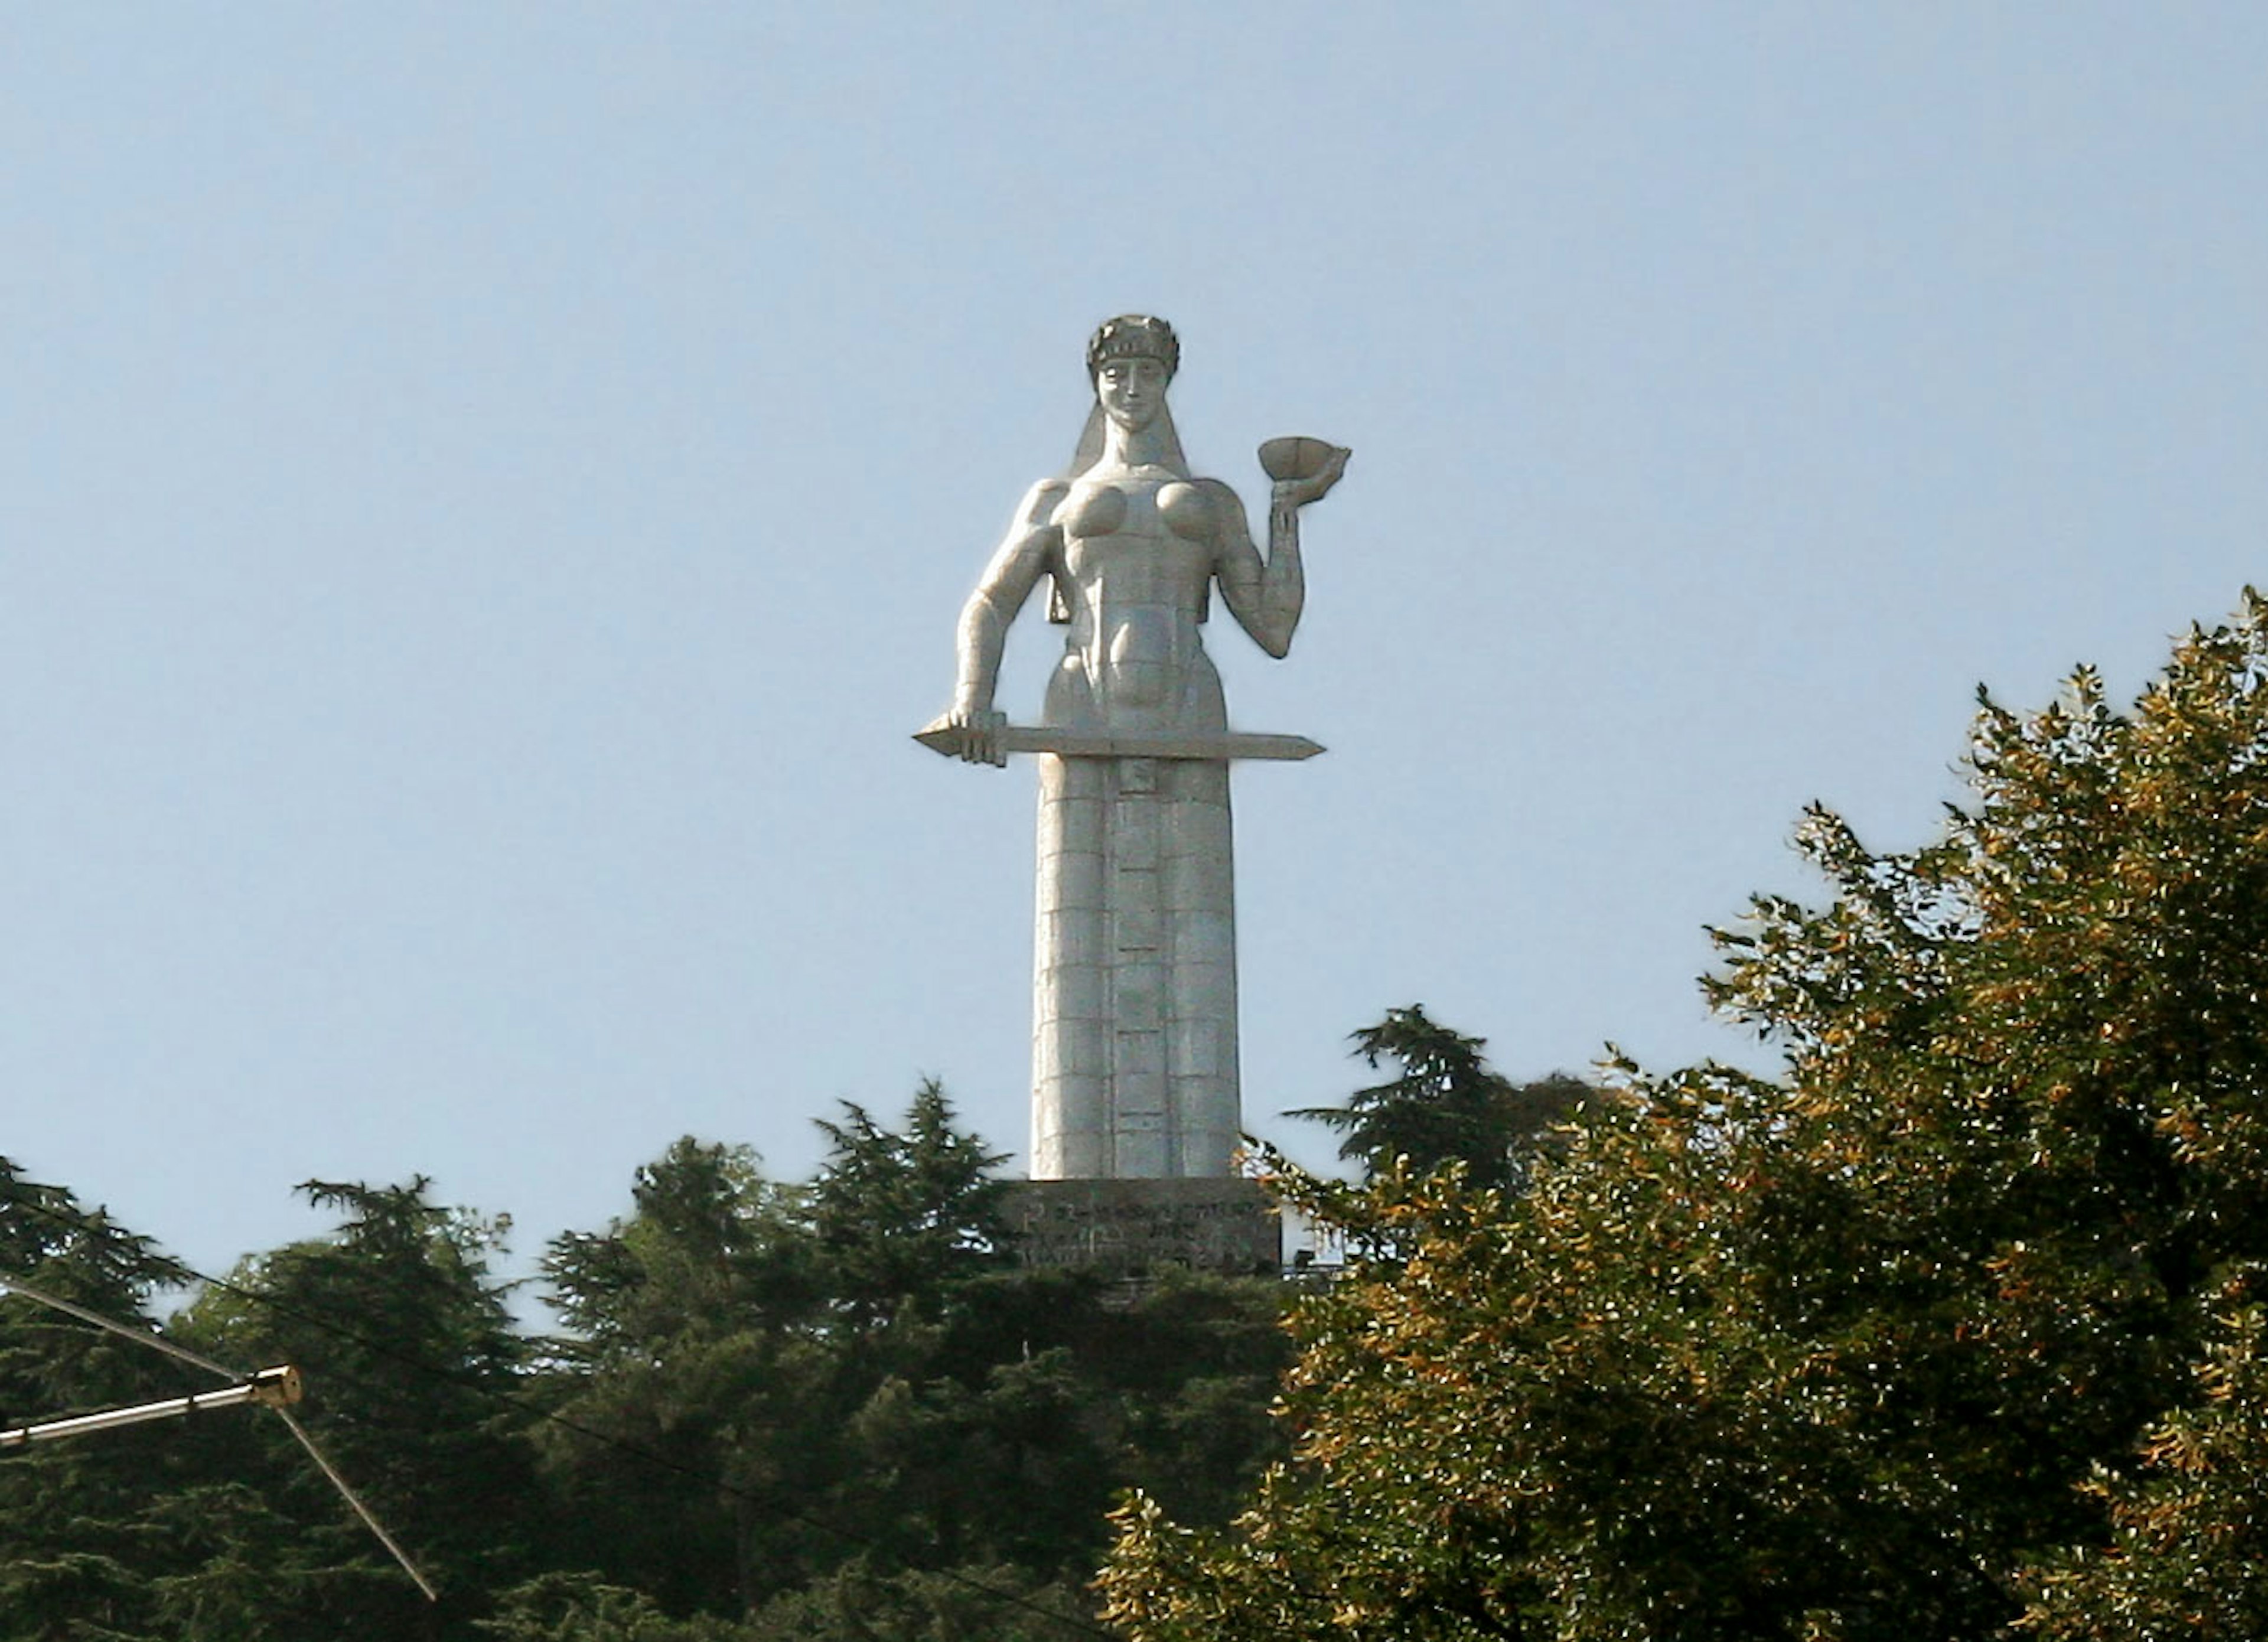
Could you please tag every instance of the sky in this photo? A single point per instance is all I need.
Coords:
(486, 493)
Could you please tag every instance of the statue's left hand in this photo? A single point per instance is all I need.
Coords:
(1317, 485)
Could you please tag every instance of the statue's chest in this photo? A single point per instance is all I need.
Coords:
(1136, 538)
(1135, 505)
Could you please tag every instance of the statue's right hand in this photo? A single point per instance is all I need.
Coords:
(1317, 485)
(977, 734)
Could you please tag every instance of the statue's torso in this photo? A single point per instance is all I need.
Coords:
(1139, 547)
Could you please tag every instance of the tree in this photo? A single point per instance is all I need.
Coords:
(901, 1216)
(711, 1240)
(1866, 1351)
(2191, 1526)
(1445, 1105)
(760, 1338)
(684, 1383)
(414, 1370)
(832, 1412)
(582, 1607)
(67, 1511)
(223, 1528)
(841, 1412)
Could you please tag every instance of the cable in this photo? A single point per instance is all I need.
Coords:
(188, 1274)
(355, 1499)
(149, 1337)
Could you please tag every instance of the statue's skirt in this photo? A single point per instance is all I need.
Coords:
(1134, 1060)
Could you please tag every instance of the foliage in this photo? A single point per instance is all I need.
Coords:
(581, 1608)
(839, 1411)
(979, 1603)
(406, 1343)
(734, 1330)
(78, 1552)
(2191, 1526)
(1863, 1351)
(223, 1528)
(711, 1238)
(899, 1217)
(1445, 1105)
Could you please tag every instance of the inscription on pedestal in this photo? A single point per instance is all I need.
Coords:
(1127, 1227)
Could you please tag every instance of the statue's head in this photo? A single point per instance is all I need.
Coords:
(1133, 337)
(1130, 361)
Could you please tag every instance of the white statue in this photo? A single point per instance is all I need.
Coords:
(1134, 1035)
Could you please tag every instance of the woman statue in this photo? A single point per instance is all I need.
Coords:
(1134, 1034)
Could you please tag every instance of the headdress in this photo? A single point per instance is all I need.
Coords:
(1133, 337)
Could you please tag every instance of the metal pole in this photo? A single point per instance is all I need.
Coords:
(270, 1388)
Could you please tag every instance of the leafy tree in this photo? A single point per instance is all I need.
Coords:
(687, 1378)
(1445, 1105)
(2191, 1526)
(242, 1570)
(582, 1607)
(836, 1411)
(413, 1367)
(711, 1240)
(737, 1331)
(900, 1216)
(67, 1511)
(1863, 1351)
(980, 1603)
(842, 1412)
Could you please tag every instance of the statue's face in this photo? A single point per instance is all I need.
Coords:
(1132, 391)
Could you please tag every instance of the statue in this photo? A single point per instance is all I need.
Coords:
(1134, 995)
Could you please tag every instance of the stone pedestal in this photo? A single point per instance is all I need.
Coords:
(1125, 1228)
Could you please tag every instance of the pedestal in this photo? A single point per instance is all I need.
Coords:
(1126, 1227)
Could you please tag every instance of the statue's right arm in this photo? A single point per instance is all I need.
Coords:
(1033, 547)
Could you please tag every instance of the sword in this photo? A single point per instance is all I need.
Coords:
(1218, 746)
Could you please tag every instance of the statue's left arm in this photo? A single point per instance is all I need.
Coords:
(1267, 595)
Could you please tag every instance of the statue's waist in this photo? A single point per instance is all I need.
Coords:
(1131, 673)
(1149, 627)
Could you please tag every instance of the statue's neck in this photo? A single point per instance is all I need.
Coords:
(1141, 447)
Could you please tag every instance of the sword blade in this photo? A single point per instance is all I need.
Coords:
(1218, 746)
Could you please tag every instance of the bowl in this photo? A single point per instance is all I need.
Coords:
(1295, 457)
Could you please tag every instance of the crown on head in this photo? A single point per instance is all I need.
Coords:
(1133, 337)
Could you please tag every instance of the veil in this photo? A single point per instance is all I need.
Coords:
(1090, 443)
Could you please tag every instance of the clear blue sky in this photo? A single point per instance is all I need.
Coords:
(485, 494)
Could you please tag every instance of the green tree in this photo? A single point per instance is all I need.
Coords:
(980, 1603)
(413, 1368)
(237, 1568)
(687, 1384)
(901, 1216)
(711, 1239)
(77, 1560)
(2190, 1537)
(1847, 1353)
(759, 1337)
(841, 1411)
(1445, 1105)
(582, 1607)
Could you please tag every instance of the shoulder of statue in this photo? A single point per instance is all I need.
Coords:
(1039, 504)
(1221, 495)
